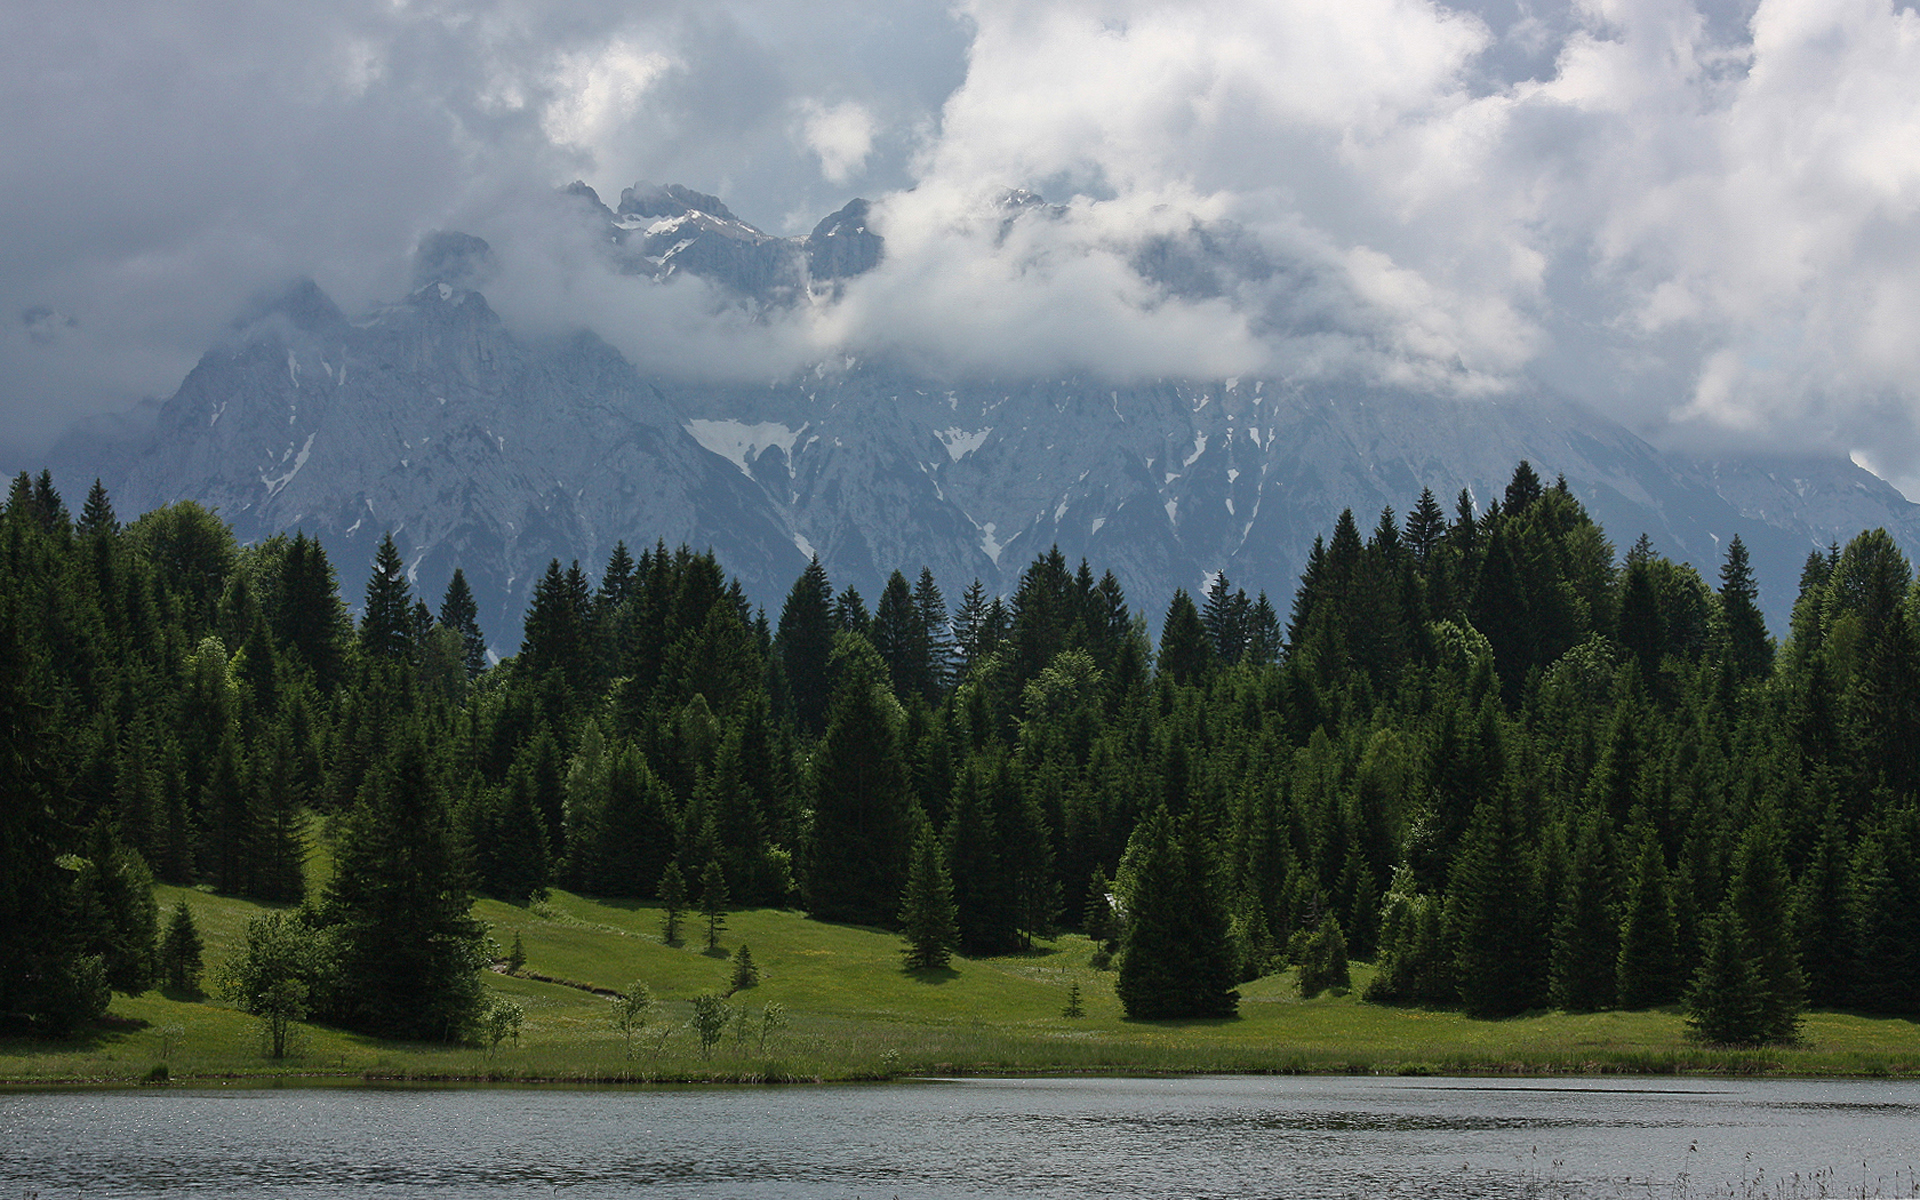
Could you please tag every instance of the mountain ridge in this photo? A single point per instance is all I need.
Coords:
(494, 451)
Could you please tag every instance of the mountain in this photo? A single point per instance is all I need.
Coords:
(495, 451)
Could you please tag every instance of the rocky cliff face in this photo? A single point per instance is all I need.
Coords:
(494, 452)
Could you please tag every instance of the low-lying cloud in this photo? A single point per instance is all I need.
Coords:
(1703, 219)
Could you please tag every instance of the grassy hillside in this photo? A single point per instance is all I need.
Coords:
(854, 1013)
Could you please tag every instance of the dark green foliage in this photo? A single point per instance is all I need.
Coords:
(673, 903)
(1323, 961)
(862, 797)
(805, 644)
(386, 623)
(179, 951)
(1885, 919)
(1494, 915)
(1586, 932)
(1175, 960)
(1647, 971)
(1748, 989)
(1468, 712)
(459, 613)
(409, 951)
(928, 923)
(745, 973)
(116, 913)
(713, 902)
(1185, 650)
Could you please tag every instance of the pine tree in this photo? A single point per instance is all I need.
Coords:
(713, 902)
(982, 890)
(857, 862)
(1647, 971)
(928, 921)
(673, 903)
(386, 624)
(1749, 649)
(180, 950)
(97, 519)
(1723, 1001)
(399, 902)
(1586, 932)
(1175, 960)
(1748, 989)
(805, 644)
(1185, 655)
(459, 613)
(1494, 917)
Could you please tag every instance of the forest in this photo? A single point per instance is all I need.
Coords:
(1480, 749)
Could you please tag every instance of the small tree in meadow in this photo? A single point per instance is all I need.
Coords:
(632, 1011)
(710, 1017)
(269, 975)
(673, 903)
(713, 902)
(745, 974)
(180, 949)
(928, 920)
(502, 1021)
(1323, 963)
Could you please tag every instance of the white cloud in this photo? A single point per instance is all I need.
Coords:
(840, 134)
(1704, 217)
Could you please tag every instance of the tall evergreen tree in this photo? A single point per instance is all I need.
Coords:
(928, 921)
(1647, 971)
(805, 643)
(1494, 914)
(1749, 649)
(1175, 961)
(863, 798)
(459, 613)
(399, 901)
(386, 624)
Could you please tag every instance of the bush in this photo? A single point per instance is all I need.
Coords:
(1323, 961)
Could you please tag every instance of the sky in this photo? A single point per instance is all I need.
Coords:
(1702, 219)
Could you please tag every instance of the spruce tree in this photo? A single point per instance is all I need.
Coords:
(1647, 971)
(1494, 916)
(857, 862)
(386, 624)
(804, 642)
(1749, 649)
(673, 903)
(1175, 958)
(713, 902)
(928, 922)
(180, 950)
(409, 948)
(1185, 655)
(1586, 932)
(459, 613)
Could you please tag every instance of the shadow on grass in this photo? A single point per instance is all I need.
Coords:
(99, 1034)
(933, 975)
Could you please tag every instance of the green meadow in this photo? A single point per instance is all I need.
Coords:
(852, 1012)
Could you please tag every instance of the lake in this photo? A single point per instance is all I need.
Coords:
(1189, 1137)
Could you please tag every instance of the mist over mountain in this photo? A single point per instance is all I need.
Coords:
(496, 449)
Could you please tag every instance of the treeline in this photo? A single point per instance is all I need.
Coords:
(1480, 749)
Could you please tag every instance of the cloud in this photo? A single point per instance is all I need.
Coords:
(1703, 217)
(841, 134)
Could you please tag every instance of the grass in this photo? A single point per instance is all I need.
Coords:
(854, 1013)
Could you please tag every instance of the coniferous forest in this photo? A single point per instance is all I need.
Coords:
(1479, 748)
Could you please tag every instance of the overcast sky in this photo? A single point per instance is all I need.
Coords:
(1701, 219)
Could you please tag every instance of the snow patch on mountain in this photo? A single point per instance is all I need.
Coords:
(739, 442)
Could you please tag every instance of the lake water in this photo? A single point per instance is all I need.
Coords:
(1278, 1137)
